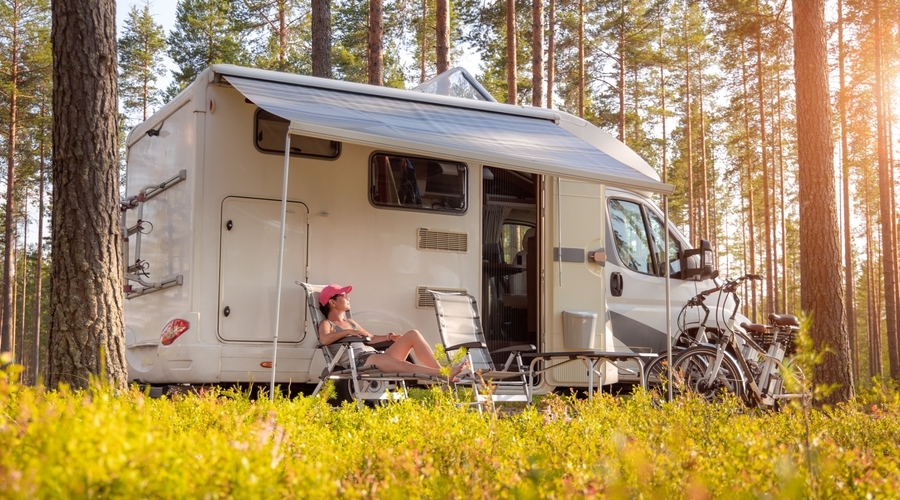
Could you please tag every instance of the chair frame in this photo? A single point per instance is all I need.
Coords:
(479, 379)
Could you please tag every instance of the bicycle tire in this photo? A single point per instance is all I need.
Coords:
(690, 367)
(656, 371)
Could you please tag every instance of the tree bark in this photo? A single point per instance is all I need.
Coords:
(767, 204)
(7, 329)
(376, 35)
(537, 51)
(581, 78)
(887, 213)
(845, 184)
(512, 90)
(86, 325)
(442, 35)
(424, 47)
(321, 38)
(551, 47)
(39, 264)
(821, 294)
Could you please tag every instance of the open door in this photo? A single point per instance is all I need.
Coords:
(576, 251)
(510, 291)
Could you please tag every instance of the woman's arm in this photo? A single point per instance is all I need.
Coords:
(328, 335)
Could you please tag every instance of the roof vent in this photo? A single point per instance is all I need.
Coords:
(445, 241)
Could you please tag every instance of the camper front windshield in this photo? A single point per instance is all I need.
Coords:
(418, 183)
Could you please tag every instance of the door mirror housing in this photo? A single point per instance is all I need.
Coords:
(698, 263)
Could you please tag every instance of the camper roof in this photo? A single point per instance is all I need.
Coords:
(489, 133)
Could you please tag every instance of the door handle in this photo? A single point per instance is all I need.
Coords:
(616, 284)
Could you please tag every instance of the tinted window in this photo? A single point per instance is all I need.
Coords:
(418, 183)
(630, 235)
(640, 244)
(270, 131)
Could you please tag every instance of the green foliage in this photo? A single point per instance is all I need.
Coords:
(206, 32)
(218, 443)
(141, 50)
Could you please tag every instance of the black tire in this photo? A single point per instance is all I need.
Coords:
(690, 367)
(656, 372)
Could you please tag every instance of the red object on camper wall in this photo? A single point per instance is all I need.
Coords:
(173, 330)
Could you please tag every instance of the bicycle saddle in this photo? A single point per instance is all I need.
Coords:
(784, 319)
(753, 327)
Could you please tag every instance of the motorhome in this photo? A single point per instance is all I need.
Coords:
(250, 181)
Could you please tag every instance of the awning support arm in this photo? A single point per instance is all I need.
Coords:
(284, 187)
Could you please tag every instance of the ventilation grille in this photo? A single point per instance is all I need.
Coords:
(428, 239)
(424, 299)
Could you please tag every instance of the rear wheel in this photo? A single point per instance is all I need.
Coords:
(690, 373)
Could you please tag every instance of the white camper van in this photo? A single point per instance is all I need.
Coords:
(533, 211)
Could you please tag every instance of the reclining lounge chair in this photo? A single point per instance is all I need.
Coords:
(460, 327)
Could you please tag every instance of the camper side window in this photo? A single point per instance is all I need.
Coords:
(417, 183)
(270, 131)
(630, 234)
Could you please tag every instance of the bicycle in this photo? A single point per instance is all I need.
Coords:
(747, 361)
(655, 370)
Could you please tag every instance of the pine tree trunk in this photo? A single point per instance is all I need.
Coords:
(442, 34)
(887, 212)
(86, 325)
(751, 222)
(423, 58)
(39, 269)
(821, 287)
(537, 53)
(512, 89)
(581, 58)
(321, 38)
(7, 318)
(845, 184)
(767, 204)
(551, 56)
(376, 35)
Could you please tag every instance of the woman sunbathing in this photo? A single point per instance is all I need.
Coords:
(334, 303)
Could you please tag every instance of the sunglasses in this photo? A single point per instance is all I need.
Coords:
(338, 296)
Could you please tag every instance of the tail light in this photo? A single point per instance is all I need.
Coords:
(173, 330)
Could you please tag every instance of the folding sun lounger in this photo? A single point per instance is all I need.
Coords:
(460, 327)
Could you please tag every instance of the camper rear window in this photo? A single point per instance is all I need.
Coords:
(418, 183)
(270, 131)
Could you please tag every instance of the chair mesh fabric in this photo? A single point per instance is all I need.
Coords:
(459, 323)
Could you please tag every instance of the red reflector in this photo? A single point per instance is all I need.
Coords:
(173, 330)
(266, 364)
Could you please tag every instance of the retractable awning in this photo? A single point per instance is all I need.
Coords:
(471, 131)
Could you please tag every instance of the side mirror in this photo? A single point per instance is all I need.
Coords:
(698, 263)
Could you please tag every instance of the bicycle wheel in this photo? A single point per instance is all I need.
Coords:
(690, 370)
(657, 371)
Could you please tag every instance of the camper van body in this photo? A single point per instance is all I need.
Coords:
(203, 218)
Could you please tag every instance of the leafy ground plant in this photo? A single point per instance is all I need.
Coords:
(221, 444)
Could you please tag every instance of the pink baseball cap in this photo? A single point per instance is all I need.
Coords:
(331, 290)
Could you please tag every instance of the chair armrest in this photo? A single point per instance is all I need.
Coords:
(516, 348)
(381, 346)
(349, 339)
(467, 345)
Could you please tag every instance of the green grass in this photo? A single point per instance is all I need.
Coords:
(221, 444)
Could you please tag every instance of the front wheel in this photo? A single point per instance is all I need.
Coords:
(690, 370)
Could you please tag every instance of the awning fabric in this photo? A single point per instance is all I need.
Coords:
(488, 137)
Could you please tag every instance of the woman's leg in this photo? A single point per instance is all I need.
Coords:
(389, 364)
(412, 341)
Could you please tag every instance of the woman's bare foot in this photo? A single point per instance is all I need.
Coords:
(454, 373)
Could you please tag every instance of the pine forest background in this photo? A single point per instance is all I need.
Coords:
(703, 90)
